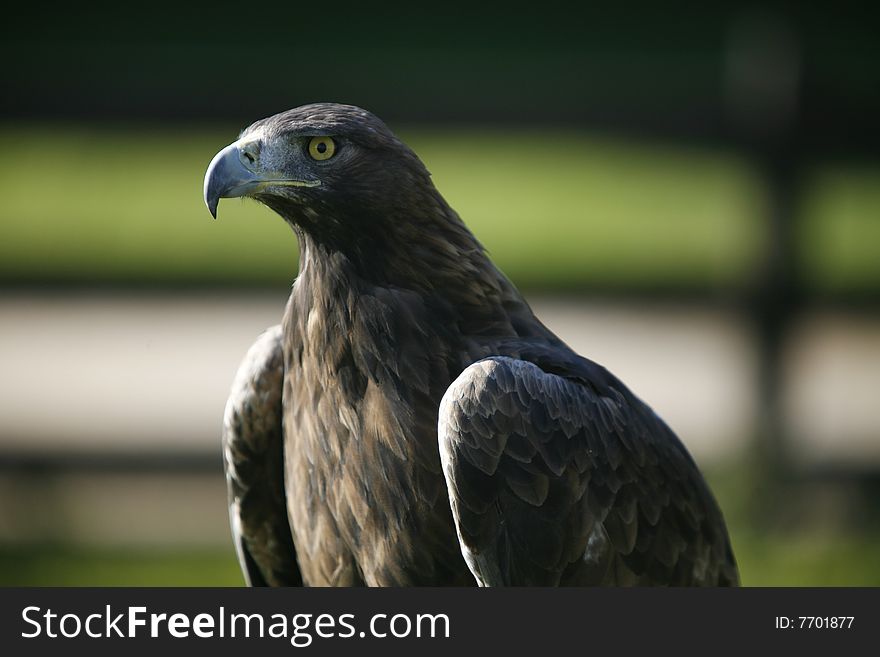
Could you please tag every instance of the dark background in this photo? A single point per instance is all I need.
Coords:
(664, 69)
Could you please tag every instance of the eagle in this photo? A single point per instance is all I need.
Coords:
(411, 422)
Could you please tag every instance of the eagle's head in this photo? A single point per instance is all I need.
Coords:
(350, 188)
(335, 172)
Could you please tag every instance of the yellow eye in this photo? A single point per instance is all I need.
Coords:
(322, 148)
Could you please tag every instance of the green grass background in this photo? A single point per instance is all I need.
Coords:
(775, 543)
(557, 210)
(805, 558)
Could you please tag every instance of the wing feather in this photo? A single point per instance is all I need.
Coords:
(567, 478)
(253, 457)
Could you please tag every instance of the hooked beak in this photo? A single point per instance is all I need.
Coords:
(227, 177)
(235, 172)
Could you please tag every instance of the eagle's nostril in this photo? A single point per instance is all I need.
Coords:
(250, 153)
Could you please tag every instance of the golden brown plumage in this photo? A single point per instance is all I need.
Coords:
(552, 471)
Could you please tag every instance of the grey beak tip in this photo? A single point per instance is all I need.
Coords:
(210, 192)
